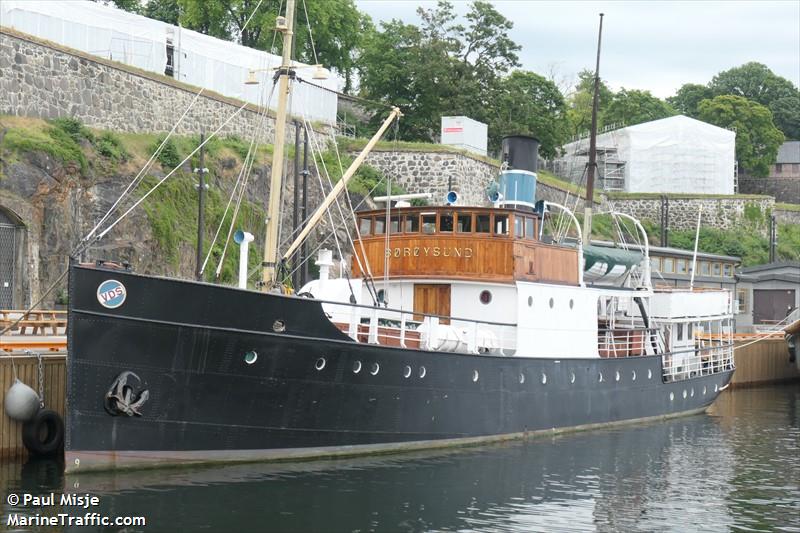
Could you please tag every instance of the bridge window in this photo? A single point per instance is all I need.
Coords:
(365, 225)
(394, 225)
(380, 226)
(530, 230)
(429, 223)
(482, 224)
(464, 223)
(519, 227)
(411, 224)
(501, 224)
(446, 222)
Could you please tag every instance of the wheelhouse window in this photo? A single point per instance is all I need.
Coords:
(446, 222)
(380, 226)
(501, 224)
(482, 224)
(411, 223)
(530, 228)
(365, 225)
(429, 223)
(464, 223)
(394, 225)
(519, 227)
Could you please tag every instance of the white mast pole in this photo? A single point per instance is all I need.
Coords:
(696, 240)
(276, 181)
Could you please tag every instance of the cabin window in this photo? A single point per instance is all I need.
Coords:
(501, 224)
(717, 269)
(669, 265)
(365, 226)
(380, 226)
(689, 331)
(429, 223)
(482, 224)
(464, 224)
(705, 268)
(655, 264)
(411, 224)
(680, 266)
(519, 227)
(741, 301)
(727, 271)
(530, 231)
(680, 332)
(394, 225)
(446, 222)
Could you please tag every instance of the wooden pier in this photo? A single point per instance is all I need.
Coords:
(763, 362)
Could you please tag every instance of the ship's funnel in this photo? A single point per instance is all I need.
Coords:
(517, 186)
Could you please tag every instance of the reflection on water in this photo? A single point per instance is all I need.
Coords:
(737, 467)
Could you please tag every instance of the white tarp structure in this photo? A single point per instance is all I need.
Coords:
(199, 60)
(672, 155)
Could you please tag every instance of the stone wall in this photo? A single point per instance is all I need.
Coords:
(784, 189)
(44, 80)
(418, 171)
(787, 216)
(720, 213)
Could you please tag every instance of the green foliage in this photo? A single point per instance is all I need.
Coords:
(753, 81)
(788, 242)
(757, 138)
(579, 112)
(169, 157)
(337, 28)
(786, 114)
(631, 107)
(236, 144)
(133, 6)
(52, 141)
(110, 146)
(743, 242)
(74, 128)
(168, 11)
(688, 98)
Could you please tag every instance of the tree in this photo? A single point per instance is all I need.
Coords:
(753, 81)
(631, 107)
(529, 104)
(786, 114)
(168, 11)
(757, 138)
(132, 6)
(336, 25)
(689, 97)
(579, 113)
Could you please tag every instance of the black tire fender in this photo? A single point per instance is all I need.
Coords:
(43, 435)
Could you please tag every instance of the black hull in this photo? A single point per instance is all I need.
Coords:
(187, 343)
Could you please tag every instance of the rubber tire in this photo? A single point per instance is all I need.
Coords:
(54, 437)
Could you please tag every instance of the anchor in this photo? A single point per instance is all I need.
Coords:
(126, 395)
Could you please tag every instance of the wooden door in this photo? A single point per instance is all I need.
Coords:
(772, 305)
(432, 299)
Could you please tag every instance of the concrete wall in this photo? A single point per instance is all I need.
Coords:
(45, 80)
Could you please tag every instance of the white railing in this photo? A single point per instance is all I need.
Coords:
(629, 342)
(708, 357)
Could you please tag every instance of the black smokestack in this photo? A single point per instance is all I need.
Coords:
(521, 152)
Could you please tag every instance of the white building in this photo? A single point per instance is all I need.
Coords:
(465, 133)
(672, 155)
(155, 46)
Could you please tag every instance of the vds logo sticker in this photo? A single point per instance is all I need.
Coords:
(111, 294)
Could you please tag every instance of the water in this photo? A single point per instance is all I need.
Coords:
(737, 468)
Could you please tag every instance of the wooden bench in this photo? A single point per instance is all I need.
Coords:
(40, 321)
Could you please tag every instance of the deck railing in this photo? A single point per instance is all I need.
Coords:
(707, 357)
(628, 342)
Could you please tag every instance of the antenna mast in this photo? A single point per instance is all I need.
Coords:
(268, 277)
(588, 203)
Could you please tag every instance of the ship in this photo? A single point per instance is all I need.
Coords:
(455, 325)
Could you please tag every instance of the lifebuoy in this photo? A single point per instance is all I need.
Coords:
(44, 433)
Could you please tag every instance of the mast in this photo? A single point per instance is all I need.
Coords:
(276, 180)
(587, 204)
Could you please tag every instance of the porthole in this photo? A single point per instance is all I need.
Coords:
(716, 389)
(691, 392)
(704, 390)
(671, 396)
(544, 378)
(600, 377)
(475, 375)
(374, 369)
(616, 376)
(552, 303)
(521, 378)
(356, 367)
(530, 301)
(572, 377)
(407, 372)
(320, 364)
(633, 375)
(684, 394)
(422, 372)
(250, 357)
(485, 297)
(571, 303)
(279, 326)
(649, 374)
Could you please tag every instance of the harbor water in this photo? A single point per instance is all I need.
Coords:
(736, 468)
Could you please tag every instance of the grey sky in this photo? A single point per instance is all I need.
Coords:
(653, 45)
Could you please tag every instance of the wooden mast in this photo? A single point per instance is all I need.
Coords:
(587, 205)
(268, 276)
